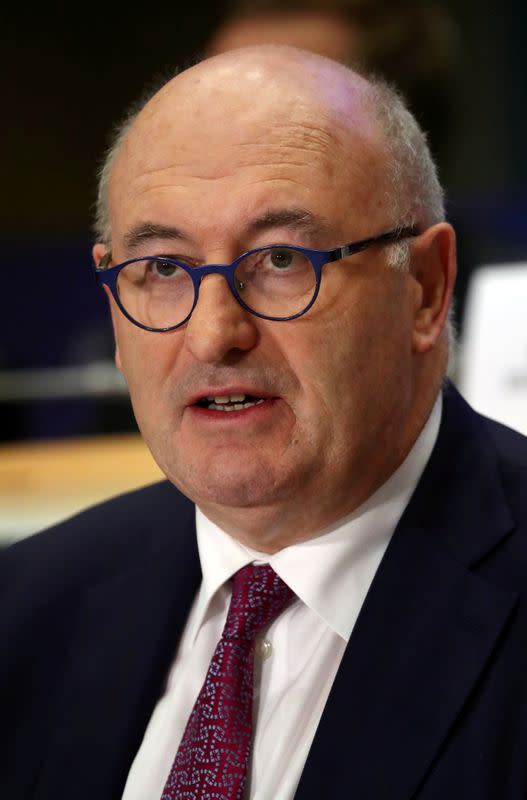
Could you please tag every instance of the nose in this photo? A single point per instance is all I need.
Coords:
(219, 324)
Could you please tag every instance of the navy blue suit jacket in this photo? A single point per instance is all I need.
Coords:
(430, 701)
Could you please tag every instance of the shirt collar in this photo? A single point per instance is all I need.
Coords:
(331, 572)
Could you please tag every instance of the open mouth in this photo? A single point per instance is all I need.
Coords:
(231, 402)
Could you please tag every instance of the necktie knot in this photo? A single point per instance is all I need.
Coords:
(259, 595)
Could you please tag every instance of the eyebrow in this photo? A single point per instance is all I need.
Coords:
(146, 231)
(295, 218)
(298, 219)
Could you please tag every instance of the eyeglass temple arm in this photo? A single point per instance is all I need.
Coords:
(384, 238)
(105, 261)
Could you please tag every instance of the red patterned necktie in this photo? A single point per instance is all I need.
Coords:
(212, 759)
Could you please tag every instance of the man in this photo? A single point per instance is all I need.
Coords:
(312, 434)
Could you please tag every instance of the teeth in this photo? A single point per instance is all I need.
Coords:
(233, 406)
(227, 398)
(230, 402)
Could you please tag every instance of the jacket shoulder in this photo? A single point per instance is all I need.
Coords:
(511, 451)
(99, 540)
(511, 446)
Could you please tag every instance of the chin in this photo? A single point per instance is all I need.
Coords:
(230, 485)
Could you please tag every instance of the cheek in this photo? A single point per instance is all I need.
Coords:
(323, 355)
(348, 356)
(146, 360)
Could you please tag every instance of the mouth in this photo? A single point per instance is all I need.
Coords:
(229, 402)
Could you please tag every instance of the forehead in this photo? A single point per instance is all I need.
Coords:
(232, 153)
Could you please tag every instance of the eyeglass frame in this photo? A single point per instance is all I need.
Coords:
(319, 258)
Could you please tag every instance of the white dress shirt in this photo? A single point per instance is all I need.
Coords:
(301, 652)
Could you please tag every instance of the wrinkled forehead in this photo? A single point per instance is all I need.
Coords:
(253, 121)
(207, 115)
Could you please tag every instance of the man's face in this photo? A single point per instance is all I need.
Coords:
(226, 177)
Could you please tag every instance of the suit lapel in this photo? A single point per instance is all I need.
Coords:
(425, 633)
(128, 630)
(423, 637)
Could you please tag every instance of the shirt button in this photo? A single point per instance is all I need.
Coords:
(265, 648)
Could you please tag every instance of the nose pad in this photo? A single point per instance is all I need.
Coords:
(218, 323)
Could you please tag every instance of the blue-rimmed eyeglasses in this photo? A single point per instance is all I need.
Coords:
(277, 282)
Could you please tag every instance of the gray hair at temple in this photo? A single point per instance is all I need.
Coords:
(413, 193)
(102, 227)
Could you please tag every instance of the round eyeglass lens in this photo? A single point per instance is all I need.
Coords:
(276, 281)
(156, 292)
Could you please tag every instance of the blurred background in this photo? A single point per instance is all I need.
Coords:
(64, 84)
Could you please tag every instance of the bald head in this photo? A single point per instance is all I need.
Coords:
(262, 91)
(270, 74)
(258, 90)
(283, 99)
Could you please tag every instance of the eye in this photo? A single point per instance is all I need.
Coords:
(162, 268)
(281, 258)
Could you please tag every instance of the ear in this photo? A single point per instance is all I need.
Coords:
(433, 269)
(98, 251)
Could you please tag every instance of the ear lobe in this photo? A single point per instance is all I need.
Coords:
(434, 271)
(98, 251)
